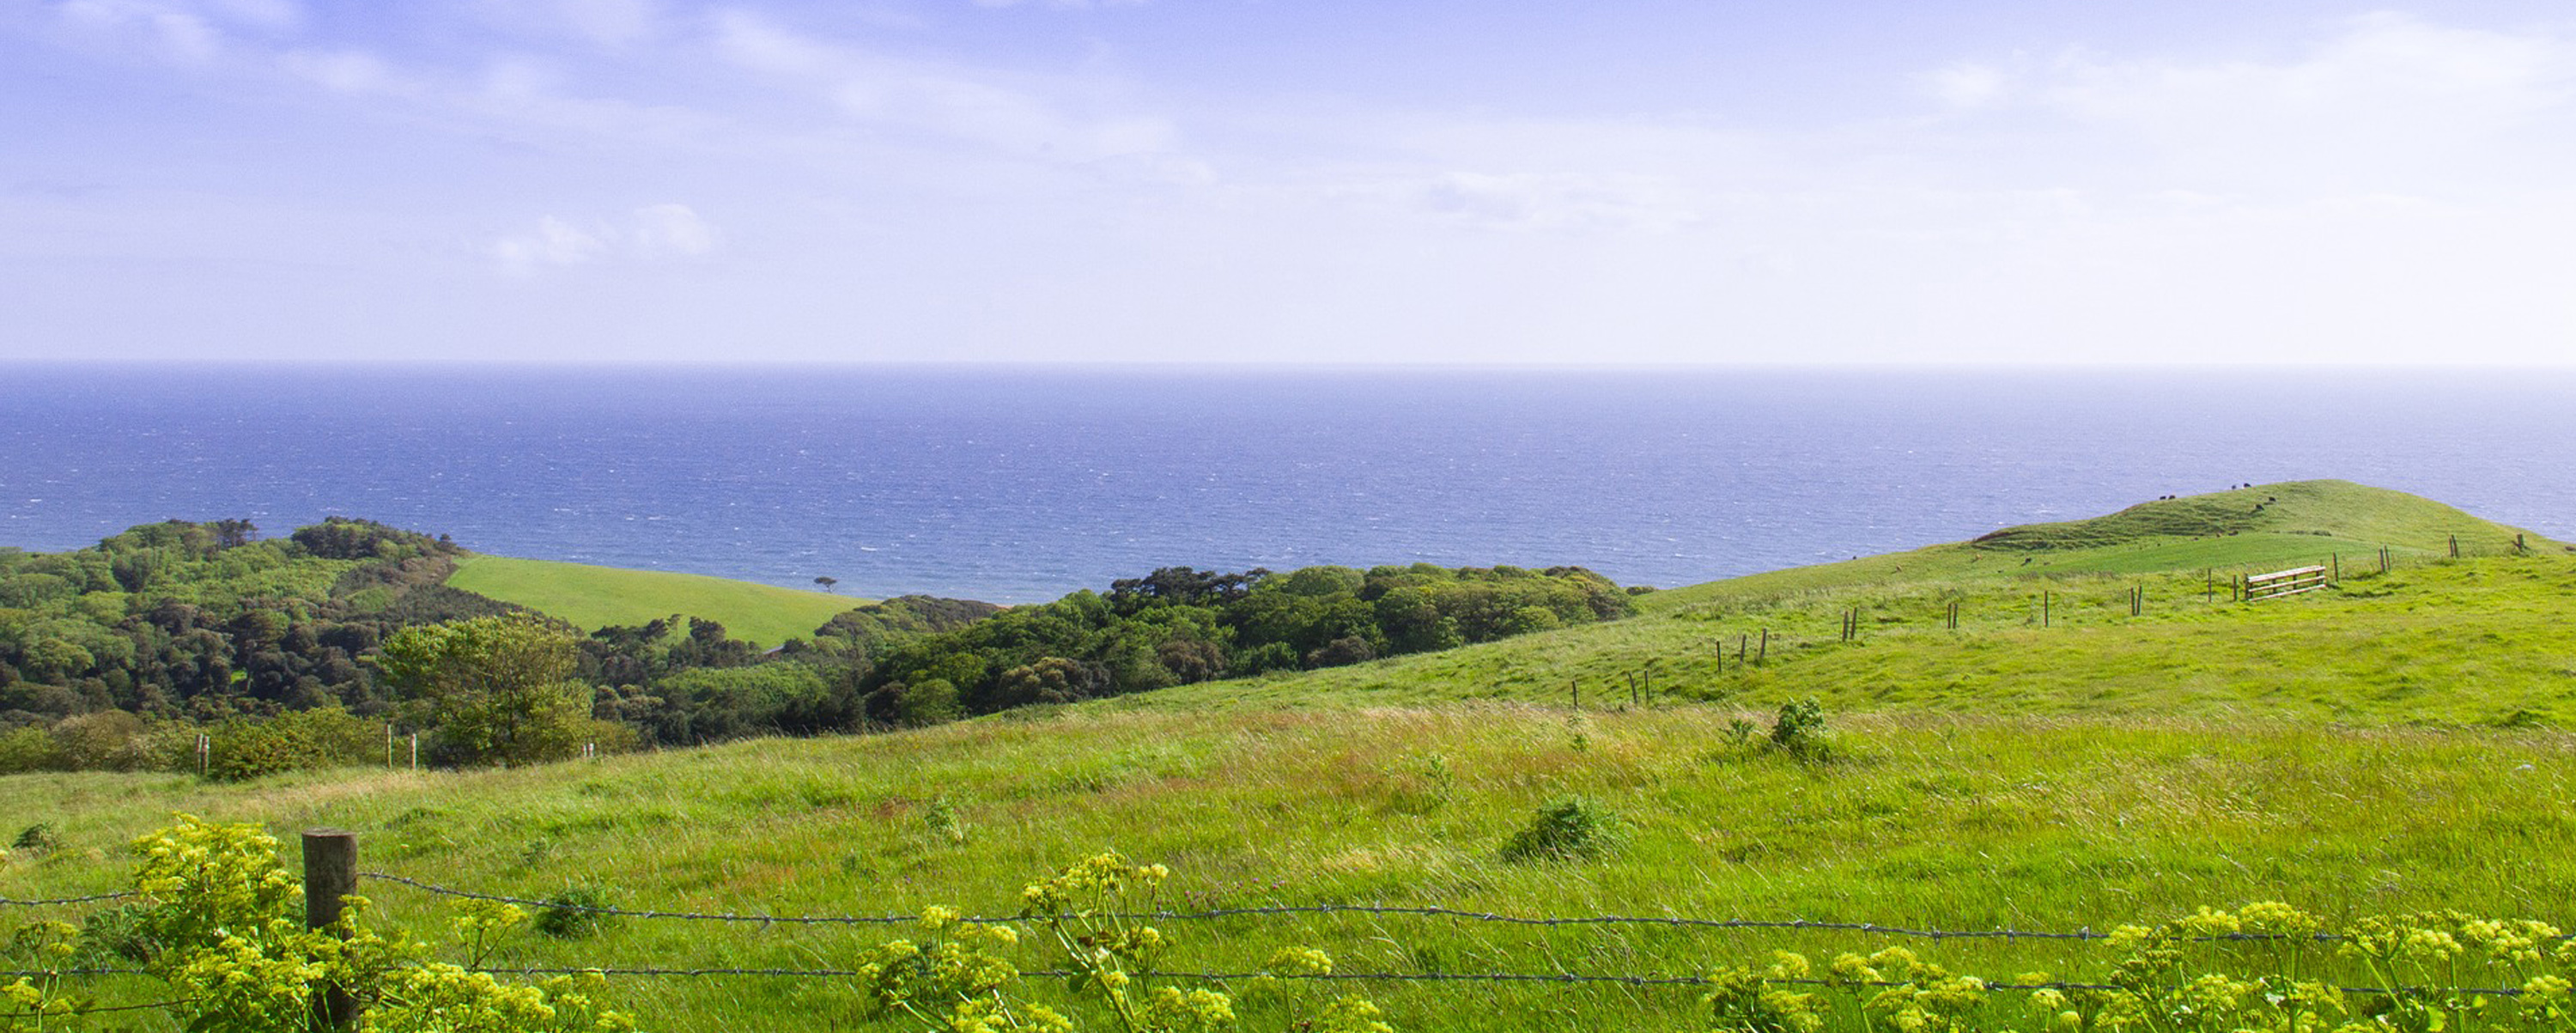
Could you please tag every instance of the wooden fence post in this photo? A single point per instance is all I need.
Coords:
(1765, 654)
(2455, 546)
(2043, 608)
(330, 873)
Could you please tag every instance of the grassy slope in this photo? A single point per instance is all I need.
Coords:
(2265, 527)
(1952, 822)
(2102, 769)
(2470, 641)
(595, 597)
(2467, 641)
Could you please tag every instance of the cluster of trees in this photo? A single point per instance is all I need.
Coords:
(1180, 625)
(312, 649)
(203, 621)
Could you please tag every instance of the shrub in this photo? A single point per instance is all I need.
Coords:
(39, 838)
(1567, 828)
(578, 912)
(27, 748)
(1800, 729)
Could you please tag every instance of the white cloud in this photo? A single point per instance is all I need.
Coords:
(276, 15)
(1061, 5)
(613, 22)
(610, 24)
(2387, 101)
(672, 229)
(554, 243)
(955, 102)
(344, 71)
(650, 233)
(168, 31)
(1553, 201)
(1968, 84)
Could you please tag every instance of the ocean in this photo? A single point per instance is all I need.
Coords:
(1021, 484)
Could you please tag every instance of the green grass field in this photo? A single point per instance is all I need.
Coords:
(1936, 821)
(595, 597)
(2397, 742)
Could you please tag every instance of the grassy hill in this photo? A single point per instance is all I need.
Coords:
(2393, 743)
(2055, 635)
(595, 597)
(2264, 527)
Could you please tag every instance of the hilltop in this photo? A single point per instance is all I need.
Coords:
(2265, 526)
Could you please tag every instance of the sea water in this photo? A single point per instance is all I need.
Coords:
(1022, 484)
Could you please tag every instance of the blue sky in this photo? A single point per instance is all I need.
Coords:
(1199, 181)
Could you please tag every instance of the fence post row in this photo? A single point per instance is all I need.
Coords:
(330, 873)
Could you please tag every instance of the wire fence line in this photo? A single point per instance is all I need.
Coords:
(1624, 979)
(1209, 914)
(1794, 924)
(91, 899)
(1462, 977)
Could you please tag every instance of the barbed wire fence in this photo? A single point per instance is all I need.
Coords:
(1275, 911)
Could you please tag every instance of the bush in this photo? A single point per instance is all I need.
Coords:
(27, 748)
(576, 913)
(1567, 828)
(928, 702)
(39, 838)
(296, 740)
(1800, 729)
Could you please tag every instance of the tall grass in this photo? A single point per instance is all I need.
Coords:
(1944, 821)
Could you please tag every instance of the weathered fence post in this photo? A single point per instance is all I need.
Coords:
(2455, 546)
(1765, 654)
(330, 873)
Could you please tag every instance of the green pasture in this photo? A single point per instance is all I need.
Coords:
(2467, 641)
(1921, 820)
(595, 597)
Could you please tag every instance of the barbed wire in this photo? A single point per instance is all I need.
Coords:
(1457, 977)
(94, 1009)
(91, 899)
(1336, 909)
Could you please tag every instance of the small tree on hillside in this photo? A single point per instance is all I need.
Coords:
(827, 582)
(494, 688)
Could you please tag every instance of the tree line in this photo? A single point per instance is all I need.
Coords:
(307, 650)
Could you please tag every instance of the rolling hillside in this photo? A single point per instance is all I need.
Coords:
(2057, 760)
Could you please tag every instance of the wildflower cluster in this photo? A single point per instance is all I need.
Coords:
(37, 1001)
(955, 977)
(2248, 971)
(952, 977)
(220, 923)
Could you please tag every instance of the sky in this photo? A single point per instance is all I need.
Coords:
(1504, 182)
